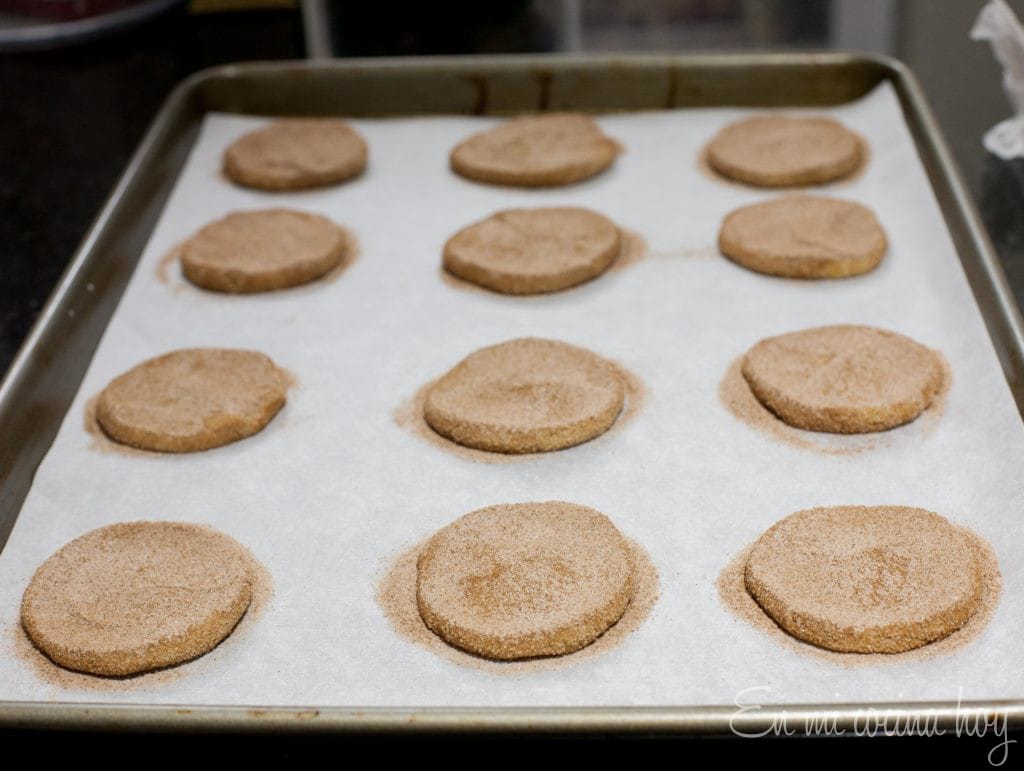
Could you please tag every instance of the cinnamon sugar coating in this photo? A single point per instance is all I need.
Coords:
(526, 395)
(843, 379)
(783, 151)
(133, 597)
(192, 399)
(296, 153)
(518, 581)
(866, 579)
(530, 251)
(536, 151)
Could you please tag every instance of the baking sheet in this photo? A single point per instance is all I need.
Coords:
(333, 488)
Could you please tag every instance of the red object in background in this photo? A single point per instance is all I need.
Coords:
(63, 10)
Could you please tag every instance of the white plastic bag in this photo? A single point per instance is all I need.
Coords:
(998, 24)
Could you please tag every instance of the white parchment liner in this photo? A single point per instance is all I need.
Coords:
(333, 489)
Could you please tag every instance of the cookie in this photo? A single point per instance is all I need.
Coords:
(259, 251)
(530, 251)
(524, 580)
(526, 395)
(782, 151)
(192, 399)
(804, 237)
(843, 379)
(295, 154)
(536, 151)
(133, 597)
(866, 579)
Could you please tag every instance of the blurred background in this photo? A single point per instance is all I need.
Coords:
(81, 79)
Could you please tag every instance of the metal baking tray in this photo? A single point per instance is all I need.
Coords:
(40, 385)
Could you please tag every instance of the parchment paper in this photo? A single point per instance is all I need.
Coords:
(333, 488)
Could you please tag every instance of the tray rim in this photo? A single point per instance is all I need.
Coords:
(1004, 324)
(853, 718)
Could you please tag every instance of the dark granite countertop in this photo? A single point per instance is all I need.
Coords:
(71, 120)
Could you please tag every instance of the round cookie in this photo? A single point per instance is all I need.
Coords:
(536, 151)
(524, 580)
(878, 579)
(781, 151)
(259, 251)
(526, 395)
(843, 379)
(192, 399)
(804, 237)
(133, 597)
(529, 251)
(295, 154)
